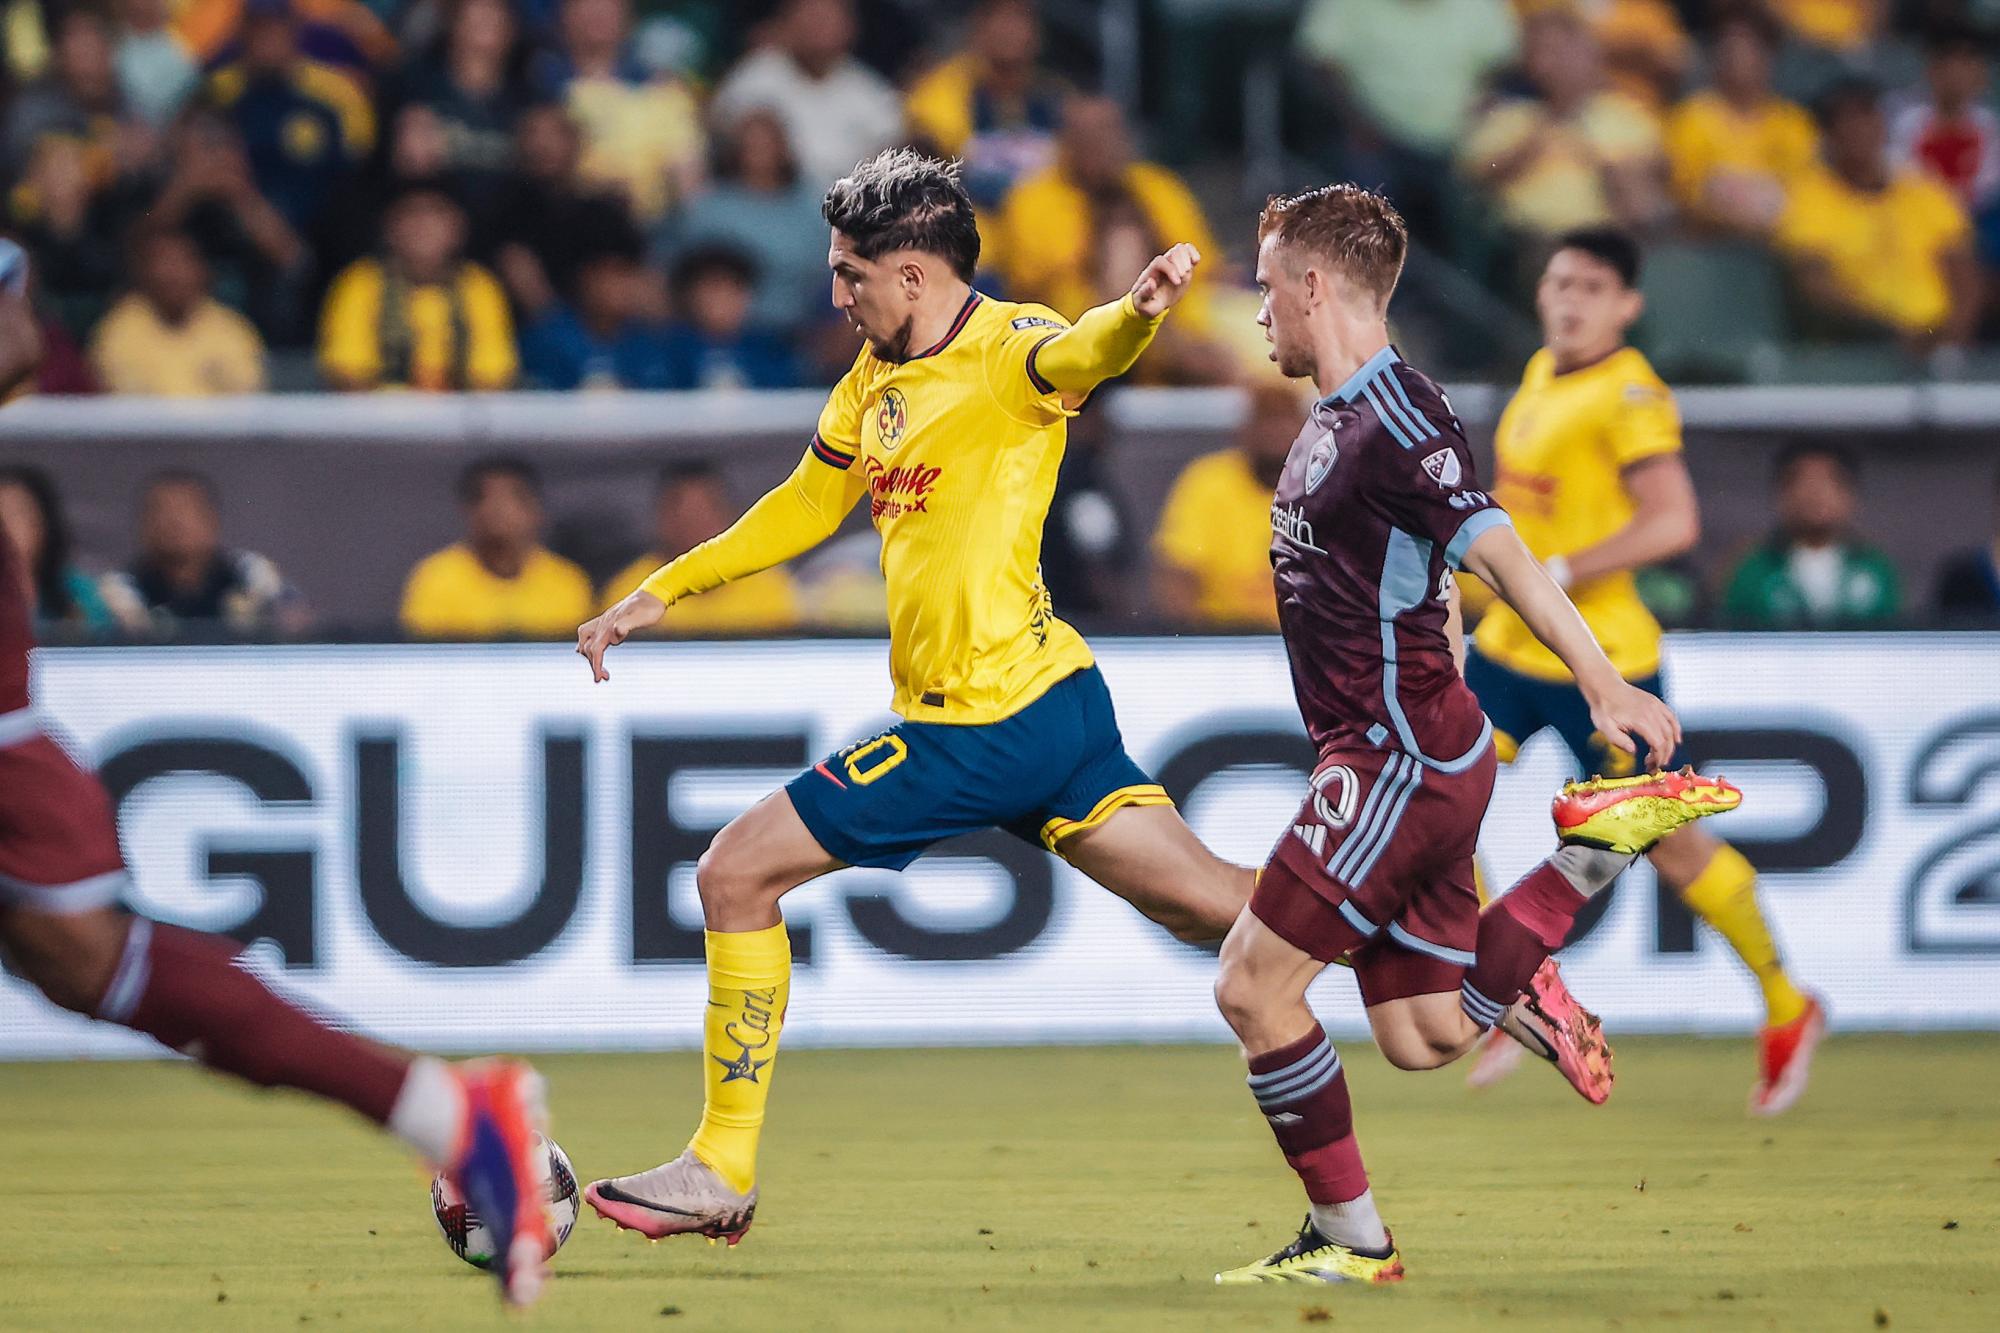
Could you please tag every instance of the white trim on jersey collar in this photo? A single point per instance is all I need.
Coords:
(1370, 368)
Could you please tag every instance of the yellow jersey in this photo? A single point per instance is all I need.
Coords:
(957, 449)
(1559, 453)
(1216, 526)
(451, 595)
(1883, 248)
(764, 603)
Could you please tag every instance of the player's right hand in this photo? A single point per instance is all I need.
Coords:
(598, 635)
(1629, 717)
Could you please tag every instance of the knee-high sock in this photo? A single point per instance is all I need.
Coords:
(749, 981)
(1518, 931)
(185, 990)
(1724, 894)
(1302, 1091)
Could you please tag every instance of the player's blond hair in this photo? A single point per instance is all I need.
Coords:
(1354, 231)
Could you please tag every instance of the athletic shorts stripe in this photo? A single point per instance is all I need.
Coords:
(1055, 830)
(23, 724)
(1399, 777)
(1370, 807)
(1416, 944)
(72, 899)
(1390, 822)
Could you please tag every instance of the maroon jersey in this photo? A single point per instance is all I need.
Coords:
(1377, 504)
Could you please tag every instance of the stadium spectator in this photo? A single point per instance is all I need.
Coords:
(1814, 572)
(420, 316)
(1735, 149)
(552, 219)
(170, 337)
(642, 131)
(474, 86)
(305, 124)
(711, 344)
(183, 575)
(1212, 550)
(757, 201)
(156, 71)
(1845, 27)
(836, 110)
(601, 338)
(1647, 52)
(691, 505)
(1574, 153)
(77, 99)
(59, 593)
(1088, 541)
(1950, 129)
(992, 105)
(500, 581)
(1968, 583)
(1877, 251)
(1072, 234)
(260, 263)
(70, 224)
(1368, 54)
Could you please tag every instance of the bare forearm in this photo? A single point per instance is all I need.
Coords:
(1648, 539)
(1500, 561)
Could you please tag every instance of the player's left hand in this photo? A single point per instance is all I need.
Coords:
(1629, 717)
(1165, 280)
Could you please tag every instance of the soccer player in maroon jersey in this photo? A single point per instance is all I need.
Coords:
(61, 925)
(1377, 505)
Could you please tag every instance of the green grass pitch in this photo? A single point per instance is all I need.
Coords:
(1059, 1188)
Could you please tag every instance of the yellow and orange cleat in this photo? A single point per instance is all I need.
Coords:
(1631, 815)
(1784, 1058)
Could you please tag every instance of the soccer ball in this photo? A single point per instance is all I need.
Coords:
(471, 1240)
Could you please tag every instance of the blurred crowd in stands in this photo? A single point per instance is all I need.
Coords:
(223, 195)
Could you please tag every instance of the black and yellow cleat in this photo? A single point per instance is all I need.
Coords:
(1312, 1258)
(1631, 815)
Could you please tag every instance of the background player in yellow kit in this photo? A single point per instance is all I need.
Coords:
(951, 423)
(1588, 462)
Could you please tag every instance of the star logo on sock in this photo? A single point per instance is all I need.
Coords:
(741, 1067)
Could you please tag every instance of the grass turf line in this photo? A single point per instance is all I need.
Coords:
(1051, 1188)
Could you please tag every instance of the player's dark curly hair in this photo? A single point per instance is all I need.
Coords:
(902, 200)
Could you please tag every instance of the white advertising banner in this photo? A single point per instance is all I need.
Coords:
(473, 847)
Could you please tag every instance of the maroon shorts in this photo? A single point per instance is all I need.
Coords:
(58, 839)
(1377, 869)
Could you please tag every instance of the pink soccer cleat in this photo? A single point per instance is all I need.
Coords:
(1499, 1056)
(1785, 1054)
(1571, 1037)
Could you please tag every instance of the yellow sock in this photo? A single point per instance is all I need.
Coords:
(749, 980)
(1724, 894)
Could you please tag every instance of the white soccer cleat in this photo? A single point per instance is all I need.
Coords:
(682, 1198)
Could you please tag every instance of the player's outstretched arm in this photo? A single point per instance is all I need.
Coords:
(1627, 715)
(792, 518)
(1108, 339)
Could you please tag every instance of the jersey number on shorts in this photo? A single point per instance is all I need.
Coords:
(857, 757)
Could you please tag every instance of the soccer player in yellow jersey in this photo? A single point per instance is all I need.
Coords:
(951, 424)
(1589, 464)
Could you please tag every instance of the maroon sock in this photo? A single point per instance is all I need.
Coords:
(1517, 933)
(1302, 1091)
(184, 990)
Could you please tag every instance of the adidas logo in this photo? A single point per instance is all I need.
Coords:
(1285, 1118)
(1313, 836)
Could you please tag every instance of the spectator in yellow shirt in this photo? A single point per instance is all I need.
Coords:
(1212, 551)
(690, 506)
(169, 336)
(1576, 154)
(422, 316)
(1877, 251)
(992, 105)
(1734, 150)
(1069, 230)
(500, 581)
(1847, 26)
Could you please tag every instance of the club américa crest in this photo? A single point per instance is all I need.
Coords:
(1320, 460)
(892, 418)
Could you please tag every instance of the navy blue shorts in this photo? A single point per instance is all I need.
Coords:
(1521, 705)
(1056, 768)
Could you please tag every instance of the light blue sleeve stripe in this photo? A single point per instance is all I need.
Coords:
(1389, 418)
(1428, 430)
(1468, 532)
